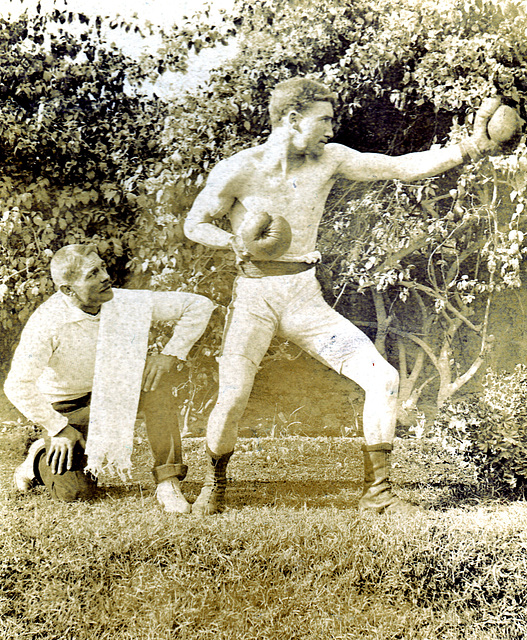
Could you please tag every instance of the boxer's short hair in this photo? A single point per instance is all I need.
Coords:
(297, 94)
(66, 262)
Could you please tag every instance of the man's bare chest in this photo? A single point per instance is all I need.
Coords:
(285, 194)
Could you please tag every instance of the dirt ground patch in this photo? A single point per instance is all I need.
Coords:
(303, 397)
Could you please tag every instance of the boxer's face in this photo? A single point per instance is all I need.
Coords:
(314, 128)
(92, 287)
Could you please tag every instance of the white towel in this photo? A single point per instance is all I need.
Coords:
(120, 359)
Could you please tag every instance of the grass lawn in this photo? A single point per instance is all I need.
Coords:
(290, 559)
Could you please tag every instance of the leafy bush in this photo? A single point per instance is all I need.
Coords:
(491, 430)
(80, 131)
(74, 144)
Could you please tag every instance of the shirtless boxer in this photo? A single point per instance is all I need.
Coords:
(291, 175)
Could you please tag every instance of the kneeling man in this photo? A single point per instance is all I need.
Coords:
(81, 371)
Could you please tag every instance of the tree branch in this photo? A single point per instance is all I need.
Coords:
(419, 243)
(448, 305)
(405, 334)
(383, 321)
(474, 247)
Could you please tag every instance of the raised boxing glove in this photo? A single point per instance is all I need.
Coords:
(265, 237)
(504, 125)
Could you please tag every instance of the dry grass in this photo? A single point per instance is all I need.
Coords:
(290, 559)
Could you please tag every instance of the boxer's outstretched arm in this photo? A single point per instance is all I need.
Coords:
(354, 165)
(424, 164)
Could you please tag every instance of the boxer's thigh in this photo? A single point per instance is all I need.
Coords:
(326, 335)
(251, 322)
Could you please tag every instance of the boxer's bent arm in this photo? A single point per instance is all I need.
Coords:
(412, 166)
(213, 202)
(207, 234)
(190, 311)
(30, 359)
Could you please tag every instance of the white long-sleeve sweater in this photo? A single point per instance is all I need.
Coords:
(55, 358)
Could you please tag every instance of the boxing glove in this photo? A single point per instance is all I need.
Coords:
(504, 125)
(265, 237)
(480, 143)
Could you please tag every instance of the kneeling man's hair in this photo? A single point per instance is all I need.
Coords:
(66, 262)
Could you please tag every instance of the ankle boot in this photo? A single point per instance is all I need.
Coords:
(377, 494)
(211, 500)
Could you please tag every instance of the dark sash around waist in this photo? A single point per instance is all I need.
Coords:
(66, 406)
(262, 268)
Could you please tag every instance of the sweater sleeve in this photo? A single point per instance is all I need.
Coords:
(190, 311)
(29, 361)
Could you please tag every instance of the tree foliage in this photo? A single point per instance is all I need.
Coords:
(80, 131)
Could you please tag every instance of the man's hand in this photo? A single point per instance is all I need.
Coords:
(60, 453)
(238, 246)
(155, 367)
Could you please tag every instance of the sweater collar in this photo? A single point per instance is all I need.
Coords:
(74, 314)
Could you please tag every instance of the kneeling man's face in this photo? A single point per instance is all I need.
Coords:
(93, 286)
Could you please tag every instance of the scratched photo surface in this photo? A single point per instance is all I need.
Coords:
(273, 383)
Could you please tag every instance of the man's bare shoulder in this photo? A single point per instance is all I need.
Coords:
(339, 152)
(237, 165)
